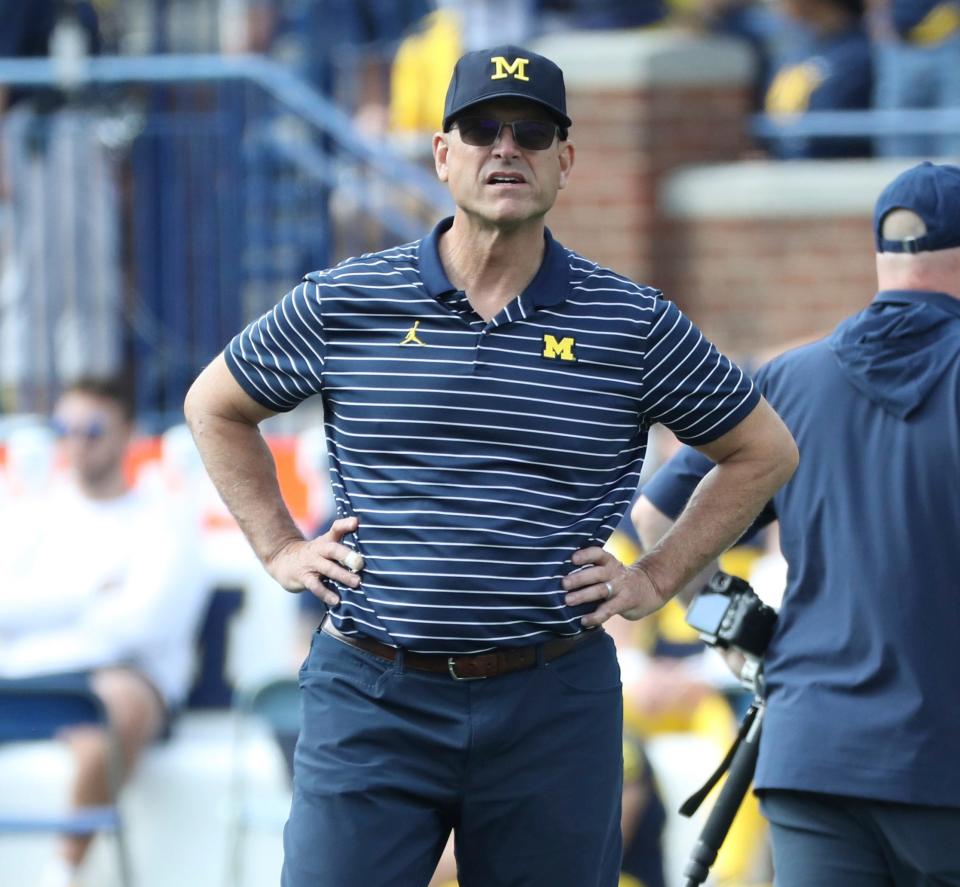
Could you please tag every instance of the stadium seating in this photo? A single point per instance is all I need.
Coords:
(178, 807)
(35, 711)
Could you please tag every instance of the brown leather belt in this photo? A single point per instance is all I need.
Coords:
(471, 667)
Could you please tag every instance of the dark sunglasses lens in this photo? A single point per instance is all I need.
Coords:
(534, 135)
(478, 131)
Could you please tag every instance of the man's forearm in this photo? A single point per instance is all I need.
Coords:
(242, 469)
(720, 510)
(753, 460)
(651, 525)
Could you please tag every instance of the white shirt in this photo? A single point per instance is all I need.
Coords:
(87, 584)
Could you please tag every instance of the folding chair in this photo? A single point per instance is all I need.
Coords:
(33, 710)
(275, 702)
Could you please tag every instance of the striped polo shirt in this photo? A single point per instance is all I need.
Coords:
(479, 455)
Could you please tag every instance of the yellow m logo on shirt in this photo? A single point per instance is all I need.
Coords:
(562, 349)
(516, 68)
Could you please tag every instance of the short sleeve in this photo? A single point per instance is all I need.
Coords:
(278, 359)
(688, 385)
(673, 484)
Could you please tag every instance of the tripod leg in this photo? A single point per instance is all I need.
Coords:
(725, 809)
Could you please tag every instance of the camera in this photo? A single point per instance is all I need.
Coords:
(728, 613)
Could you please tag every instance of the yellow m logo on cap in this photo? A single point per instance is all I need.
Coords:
(517, 68)
(562, 349)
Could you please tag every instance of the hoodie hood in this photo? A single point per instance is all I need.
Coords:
(895, 351)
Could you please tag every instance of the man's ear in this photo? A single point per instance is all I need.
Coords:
(567, 154)
(441, 147)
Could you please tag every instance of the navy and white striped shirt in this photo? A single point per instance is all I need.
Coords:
(478, 456)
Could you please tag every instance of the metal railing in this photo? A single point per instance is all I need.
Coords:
(232, 178)
(858, 124)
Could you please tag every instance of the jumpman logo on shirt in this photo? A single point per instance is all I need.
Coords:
(411, 336)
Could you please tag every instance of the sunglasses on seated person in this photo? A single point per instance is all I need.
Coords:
(531, 135)
(87, 431)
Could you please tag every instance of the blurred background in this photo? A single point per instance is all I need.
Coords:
(169, 168)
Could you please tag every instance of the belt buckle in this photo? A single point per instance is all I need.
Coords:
(452, 669)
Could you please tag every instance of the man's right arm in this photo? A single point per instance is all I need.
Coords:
(225, 421)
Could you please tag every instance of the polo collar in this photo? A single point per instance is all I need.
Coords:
(431, 268)
(550, 285)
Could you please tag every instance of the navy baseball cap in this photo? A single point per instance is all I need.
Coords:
(930, 190)
(505, 72)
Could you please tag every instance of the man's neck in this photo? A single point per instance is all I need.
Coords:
(937, 271)
(491, 265)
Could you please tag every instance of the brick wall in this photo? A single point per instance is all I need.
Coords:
(762, 252)
(643, 103)
(758, 253)
(753, 283)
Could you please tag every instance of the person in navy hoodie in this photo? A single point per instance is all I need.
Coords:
(858, 769)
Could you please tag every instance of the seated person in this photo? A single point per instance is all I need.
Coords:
(827, 68)
(917, 57)
(100, 586)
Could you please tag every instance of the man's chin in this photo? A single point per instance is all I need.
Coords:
(508, 214)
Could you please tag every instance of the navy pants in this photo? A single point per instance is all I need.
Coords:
(526, 768)
(835, 841)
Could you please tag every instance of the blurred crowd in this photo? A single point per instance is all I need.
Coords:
(389, 60)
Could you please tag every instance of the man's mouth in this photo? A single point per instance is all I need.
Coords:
(506, 178)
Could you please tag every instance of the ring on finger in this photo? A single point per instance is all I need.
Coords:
(609, 587)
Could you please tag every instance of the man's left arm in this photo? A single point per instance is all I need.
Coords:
(753, 460)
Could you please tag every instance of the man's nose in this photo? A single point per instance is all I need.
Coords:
(505, 143)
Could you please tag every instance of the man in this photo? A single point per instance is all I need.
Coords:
(483, 445)
(858, 768)
(99, 589)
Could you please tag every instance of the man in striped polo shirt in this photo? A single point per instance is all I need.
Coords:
(487, 397)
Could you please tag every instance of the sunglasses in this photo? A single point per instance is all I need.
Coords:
(88, 431)
(531, 135)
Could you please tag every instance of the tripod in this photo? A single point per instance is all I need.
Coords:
(744, 626)
(718, 823)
